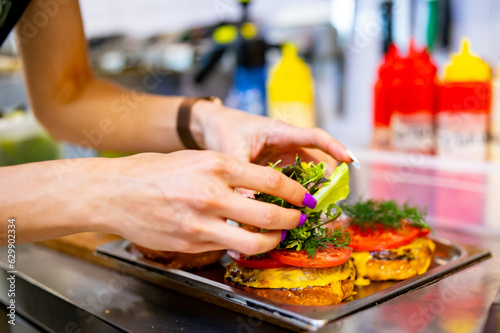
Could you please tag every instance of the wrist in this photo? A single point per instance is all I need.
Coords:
(201, 114)
(84, 191)
(81, 176)
(100, 179)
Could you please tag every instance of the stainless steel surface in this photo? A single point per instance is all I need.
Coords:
(458, 303)
(450, 257)
(497, 297)
(61, 293)
(493, 320)
(93, 294)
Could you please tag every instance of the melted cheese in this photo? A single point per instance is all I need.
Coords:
(290, 277)
(415, 247)
(360, 260)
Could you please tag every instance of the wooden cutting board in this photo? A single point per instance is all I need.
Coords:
(82, 245)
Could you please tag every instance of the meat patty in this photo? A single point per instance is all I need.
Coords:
(394, 264)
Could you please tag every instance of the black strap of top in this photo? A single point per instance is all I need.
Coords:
(10, 13)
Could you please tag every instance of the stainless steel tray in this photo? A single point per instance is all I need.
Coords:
(208, 284)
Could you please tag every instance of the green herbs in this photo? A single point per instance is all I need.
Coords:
(311, 236)
(320, 241)
(369, 213)
(310, 175)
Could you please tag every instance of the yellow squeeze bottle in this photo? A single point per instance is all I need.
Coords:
(464, 107)
(466, 67)
(290, 90)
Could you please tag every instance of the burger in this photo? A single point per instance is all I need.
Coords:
(311, 265)
(389, 241)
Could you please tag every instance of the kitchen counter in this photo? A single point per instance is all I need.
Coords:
(61, 293)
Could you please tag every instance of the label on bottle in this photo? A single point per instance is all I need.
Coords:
(412, 132)
(494, 145)
(295, 113)
(381, 138)
(495, 142)
(462, 135)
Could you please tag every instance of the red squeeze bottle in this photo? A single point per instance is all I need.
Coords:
(412, 100)
(381, 112)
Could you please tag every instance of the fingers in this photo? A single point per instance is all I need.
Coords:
(221, 236)
(184, 246)
(259, 214)
(205, 247)
(245, 241)
(316, 155)
(270, 181)
(316, 138)
(245, 192)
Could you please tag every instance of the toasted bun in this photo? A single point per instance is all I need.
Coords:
(395, 264)
(301, 286)
(181, 260)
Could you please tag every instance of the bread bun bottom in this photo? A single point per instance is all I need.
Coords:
(180, 260)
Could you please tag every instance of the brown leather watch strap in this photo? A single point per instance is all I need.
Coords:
(184, 119)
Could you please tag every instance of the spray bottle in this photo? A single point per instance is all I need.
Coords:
(248, 92)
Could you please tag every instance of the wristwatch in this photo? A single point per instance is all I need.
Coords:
(184, 118)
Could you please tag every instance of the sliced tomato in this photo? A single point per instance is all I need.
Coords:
(380, 238)
(254, 262)
(328, 258)
(423, 232)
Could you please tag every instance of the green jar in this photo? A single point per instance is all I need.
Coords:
(23, 140)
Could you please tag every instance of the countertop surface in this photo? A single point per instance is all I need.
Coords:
(61, 293)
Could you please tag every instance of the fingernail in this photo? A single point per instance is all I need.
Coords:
(283, 235)
(355, 161)
(309, 201)
(303, 219)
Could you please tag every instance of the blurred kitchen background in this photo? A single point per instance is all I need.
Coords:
(383, 77)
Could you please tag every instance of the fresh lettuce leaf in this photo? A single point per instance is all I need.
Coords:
(335, 190)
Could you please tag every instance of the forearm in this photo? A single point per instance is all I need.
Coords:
(36, 196)
(108, 117)
(76, 107)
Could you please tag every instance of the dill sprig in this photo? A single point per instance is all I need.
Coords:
(388, 214)
(311, 236)
(319, 242)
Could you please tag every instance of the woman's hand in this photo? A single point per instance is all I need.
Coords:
(180, 201)
(261, 140)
